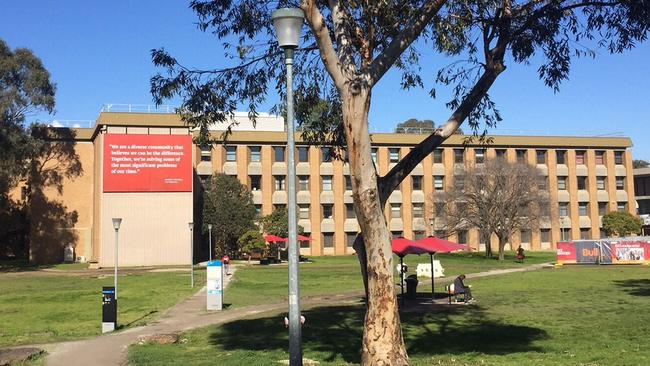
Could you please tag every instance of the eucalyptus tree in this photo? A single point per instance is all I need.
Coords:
(347, 49)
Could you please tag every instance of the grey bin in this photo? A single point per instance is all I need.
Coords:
(411, 286)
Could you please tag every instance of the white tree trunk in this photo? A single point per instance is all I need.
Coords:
(382, 338)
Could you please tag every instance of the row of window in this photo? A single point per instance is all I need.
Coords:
(255, 182)
(583, 208)
(394, 155)
(462, 237)
(327, 210)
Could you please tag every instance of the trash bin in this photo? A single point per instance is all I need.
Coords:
(411, 286)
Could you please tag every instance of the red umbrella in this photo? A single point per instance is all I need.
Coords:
(402, 246)
(273, 239)
(436, 245)
(433, 245)
(303, 238)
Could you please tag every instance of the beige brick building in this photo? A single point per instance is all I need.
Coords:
(587, 176)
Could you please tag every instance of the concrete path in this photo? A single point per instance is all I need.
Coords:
(191, 314)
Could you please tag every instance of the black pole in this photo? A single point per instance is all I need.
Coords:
(401, 276)
(433, 276)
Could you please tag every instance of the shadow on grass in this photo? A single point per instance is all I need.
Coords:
(635, 287)
(20, 265)
(336, 332)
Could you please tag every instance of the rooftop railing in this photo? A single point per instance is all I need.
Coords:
(138, 108)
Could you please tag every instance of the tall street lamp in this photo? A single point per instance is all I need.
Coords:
(288, 23)
(191, 226)
(117, 221)
(210, 240)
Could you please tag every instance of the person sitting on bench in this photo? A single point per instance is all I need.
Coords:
(460, 288)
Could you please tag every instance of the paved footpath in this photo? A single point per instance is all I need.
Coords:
(191, 314)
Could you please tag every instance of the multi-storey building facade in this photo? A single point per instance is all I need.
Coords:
(642, 195)
(586, 177)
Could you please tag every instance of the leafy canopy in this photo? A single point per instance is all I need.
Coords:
(228, 206)
(277, 223)
(618, 223)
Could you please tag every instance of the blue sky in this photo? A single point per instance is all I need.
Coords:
(99, 52)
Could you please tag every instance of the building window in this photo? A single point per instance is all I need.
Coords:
(459, 157)
(563, 209)
(439, 208)
(525, 235)
(303, 154)
(205, 183)
(258, 210)
(602, 208)
(303, 182)
(328, 240)
(620, 183)
(256, 182)
(542, 183)
(349, 211)
(418, 210)
(618, 157)
(585, 233)
(561, 156)
(326, 154)
(583, 208)
(545, 235)
(280, 181)
(600, 157)
(374, 154)
(462, 237)
(395, 210)
(580, 157)
(417, 235)
(278, 154)
(459, 181)
(437, 156)
(231, 153)
(279, 207)
(349, 239)
(206, 153)
(255, 153)
(416, 181)
(501, 153)
(479, 156)
(303, 211)
(621, 206)
(393, 155)
(328, 211)
(396, 234)
(521, 156)
(541, 156)
(348, 183)
(561, 183)
(600, 183)
(582, 182)
(438, 182)
(327, 183)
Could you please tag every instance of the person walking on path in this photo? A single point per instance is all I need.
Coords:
(226, 263)
(520, 254)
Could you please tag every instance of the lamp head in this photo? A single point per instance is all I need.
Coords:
(209, 226)
(288, 23)
(191, 225)
(117, 221)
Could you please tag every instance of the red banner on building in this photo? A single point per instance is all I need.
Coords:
(147, 163)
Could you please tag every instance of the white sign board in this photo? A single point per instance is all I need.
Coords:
(215, 285)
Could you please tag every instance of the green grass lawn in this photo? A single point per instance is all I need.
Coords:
(567, 316)
(37, 308)
(330, 275)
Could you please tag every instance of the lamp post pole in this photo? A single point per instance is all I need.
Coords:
(191, 226)
(210, 234)
(288, 23)
(116, 225)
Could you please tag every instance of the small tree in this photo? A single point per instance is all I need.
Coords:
(498, 198)
(639, 163)
(251, 241)
(228, 206)
(617, 223)
(277, 223)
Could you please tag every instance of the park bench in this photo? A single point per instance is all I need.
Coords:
(452, 293)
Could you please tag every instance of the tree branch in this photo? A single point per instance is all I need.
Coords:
(331, 61)
(390, 54)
